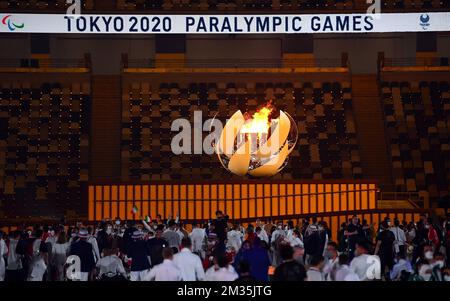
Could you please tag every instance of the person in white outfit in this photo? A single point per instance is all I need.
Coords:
(14, 266)
(331, 260)
(361, 262)
(110, 266)
(342, 270)
(221, 271)
(189, 263)
(262, 234)
(400, 238)
(235, 238)
(93, 241)
(3, 252)
(167, 270)
(314, 272)
(198, 238)
(60, 249)
(295, 239)
(38, 265)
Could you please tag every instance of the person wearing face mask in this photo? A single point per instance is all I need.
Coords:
(425, 266)
(401, 266)
(331, 259)
(278, 232)
(295, 239)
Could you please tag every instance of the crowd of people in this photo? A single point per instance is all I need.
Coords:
(163, 250)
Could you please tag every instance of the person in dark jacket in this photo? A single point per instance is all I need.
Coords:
(102, 237)
(139, 253)
(290, 269)
(220, 226)
(83, 250)
(259, 260)
(156, 245)
(130, 228)
(244, 272)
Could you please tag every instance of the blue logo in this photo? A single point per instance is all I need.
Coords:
(424, 21)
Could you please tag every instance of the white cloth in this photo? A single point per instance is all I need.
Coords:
(83, 276)
(166, 271)
(93, 241)
(276, 234)
(263, 235)
(401, 265)
(400, 238)
(235, 239)
(314, 274)
(296, 242)
(190, 265)
(111, 265)
(359, 265)
(139, 275)
(3, 251)
(38, 269)
(172, 238)
(59, 256)
(14, 262)
(330, 265)
(425, 271)
(344, 273)
(221, 274)
(197, 236)
(180, 233)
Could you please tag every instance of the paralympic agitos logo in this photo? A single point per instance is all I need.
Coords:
(7, 21)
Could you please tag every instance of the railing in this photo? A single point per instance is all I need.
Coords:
(408, 62)
(54, 63)
(234, 63)
(40, 63)
(414, 198)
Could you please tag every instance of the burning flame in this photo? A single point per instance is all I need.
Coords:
(259, 123)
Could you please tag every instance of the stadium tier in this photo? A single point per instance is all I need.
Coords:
(417, 122)
(327, 147)
(44, 143)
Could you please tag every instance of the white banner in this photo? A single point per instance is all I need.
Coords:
(224, 24)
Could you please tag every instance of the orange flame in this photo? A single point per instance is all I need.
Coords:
(259, 123)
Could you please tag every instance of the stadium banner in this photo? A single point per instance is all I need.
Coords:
(224, 24)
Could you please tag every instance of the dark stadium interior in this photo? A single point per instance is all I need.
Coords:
(78, 110)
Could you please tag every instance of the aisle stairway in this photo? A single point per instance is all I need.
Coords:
(370, 129)
(106, 131)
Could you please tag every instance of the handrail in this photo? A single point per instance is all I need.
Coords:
(412, 197)
(419, 61)
(43, 63)
(8, 222)
(233, 63)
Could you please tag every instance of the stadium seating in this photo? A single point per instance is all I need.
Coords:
(417, 118)
(226, 5)
(44, 145)
(327, 147)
